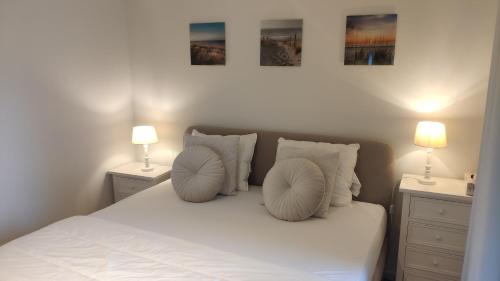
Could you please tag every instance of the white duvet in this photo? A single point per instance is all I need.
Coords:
(87, 248)
(343, 247)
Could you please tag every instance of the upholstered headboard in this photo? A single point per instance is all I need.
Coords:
(374, 166)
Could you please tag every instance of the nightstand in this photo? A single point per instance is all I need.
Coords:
(129, 179)
(433, 233)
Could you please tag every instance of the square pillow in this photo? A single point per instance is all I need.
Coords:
(356, 185)
(348, 156)
(227, 149)
(246, 149)
(327, 162)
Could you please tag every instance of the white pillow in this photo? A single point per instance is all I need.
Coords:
(326, 161)
(246, 148)
(197, 174)
(294, 189)
(227, 149)
(341, 195)
(356, 185)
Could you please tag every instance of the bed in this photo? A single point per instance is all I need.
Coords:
(154, 235)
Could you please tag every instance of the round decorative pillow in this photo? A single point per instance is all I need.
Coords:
(294, 189)
(197, 174)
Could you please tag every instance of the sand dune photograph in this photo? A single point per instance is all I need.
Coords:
(281, 42)
(208, 43)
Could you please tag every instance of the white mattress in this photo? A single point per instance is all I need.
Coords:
(345, 246)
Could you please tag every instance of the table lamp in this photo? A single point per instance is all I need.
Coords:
(430, 135)
(145, 135)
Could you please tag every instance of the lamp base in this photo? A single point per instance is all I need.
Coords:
(147, 166)
(149, 169)
(426, 181)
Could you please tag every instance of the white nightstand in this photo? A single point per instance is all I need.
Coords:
(434, 223)
(129, 179)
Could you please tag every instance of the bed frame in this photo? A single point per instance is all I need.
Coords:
(374, 168)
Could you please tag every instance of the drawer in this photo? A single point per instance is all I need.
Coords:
(418, 275)
(439, 210)
(124, 187)
(121, 195)
(434, 262)
(437, 236)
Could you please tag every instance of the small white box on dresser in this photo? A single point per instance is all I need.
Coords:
(129, 179)
(433, 233)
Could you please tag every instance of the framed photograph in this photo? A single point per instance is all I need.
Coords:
(208, 43)
(370, 40)
(281, 42)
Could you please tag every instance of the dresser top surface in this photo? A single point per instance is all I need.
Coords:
(134, 170)
(445, 188)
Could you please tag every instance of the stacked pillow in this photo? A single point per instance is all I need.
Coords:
(198, 174)
(227, 149)
(294, 189)
(246, 149)
(356, 185)
(326, 161)
(306, 180)
(336, 162)
(348, 156)
(211, 165)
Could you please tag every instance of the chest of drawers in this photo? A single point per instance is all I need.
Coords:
(129, 179)
(433, 233)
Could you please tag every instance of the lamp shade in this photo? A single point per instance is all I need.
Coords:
(431, 134)
(144, 135)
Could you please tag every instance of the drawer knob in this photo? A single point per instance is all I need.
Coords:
(438, 237)
(441, 211)
(435, 262)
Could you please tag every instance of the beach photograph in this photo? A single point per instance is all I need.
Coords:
(208, 43)
(281, 42)
(370, 40)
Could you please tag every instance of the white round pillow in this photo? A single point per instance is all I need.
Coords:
(197, 174)
(294, 189)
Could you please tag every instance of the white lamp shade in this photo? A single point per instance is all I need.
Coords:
(144, 135)
(431, 134)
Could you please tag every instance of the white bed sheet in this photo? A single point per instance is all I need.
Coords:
(345, 246)
(91, 249)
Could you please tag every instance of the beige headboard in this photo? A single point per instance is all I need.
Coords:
(374, 166)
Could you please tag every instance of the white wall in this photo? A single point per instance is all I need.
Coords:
(442, 63)
(65, 108)
(483, 247)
